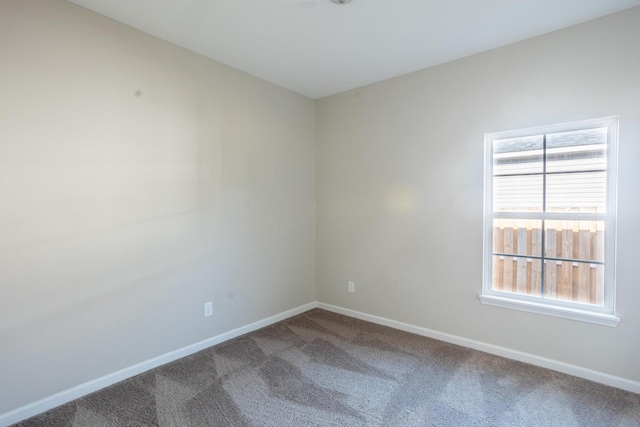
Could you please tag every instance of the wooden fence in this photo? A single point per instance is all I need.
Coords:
(581, 280)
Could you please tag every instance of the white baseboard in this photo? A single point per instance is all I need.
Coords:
(66, 396)
(565, 368)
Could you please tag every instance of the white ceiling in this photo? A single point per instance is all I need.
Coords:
(318, 48)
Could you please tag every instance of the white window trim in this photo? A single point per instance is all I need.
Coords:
(605, 315)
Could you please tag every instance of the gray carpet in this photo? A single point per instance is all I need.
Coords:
(324, 369)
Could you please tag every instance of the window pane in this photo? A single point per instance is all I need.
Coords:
(518, 155)
(517, 193)
(574, 281)
(517, 274)
(579, 240)
(581, 150)
(517, 237)
(577, 192)
(547, 212)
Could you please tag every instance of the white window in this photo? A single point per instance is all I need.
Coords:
(550, 223)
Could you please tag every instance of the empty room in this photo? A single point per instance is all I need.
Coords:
(319, 213)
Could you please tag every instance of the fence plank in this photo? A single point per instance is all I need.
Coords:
(499, 275)
(498, 239)
(521, 245)
(577, 281)
(536, 266)
(599, 252)
(565, 277)
(584, 272)
(508, 262)
(498, 236)
(550, 277)
(592, 284)
(600, 284)
(574, 281)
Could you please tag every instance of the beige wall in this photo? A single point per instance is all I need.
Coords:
(137, 181)
(400, 197)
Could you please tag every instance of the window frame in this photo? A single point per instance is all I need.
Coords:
(603, 315)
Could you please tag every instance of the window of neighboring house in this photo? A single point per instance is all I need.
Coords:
(550, 223)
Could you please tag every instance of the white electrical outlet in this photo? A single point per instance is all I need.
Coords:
(351, 286)
(208, 309)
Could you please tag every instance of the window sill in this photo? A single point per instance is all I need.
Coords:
(552, 310)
